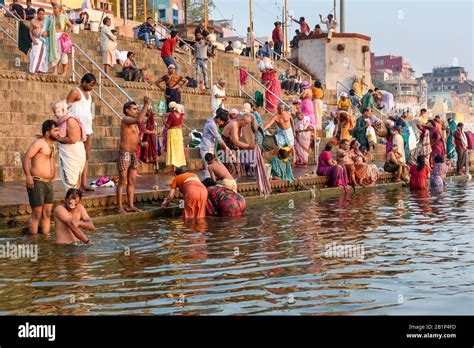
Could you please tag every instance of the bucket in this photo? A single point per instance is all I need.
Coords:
(94, 26)
(76, 28)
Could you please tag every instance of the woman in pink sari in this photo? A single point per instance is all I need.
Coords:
(303, 138)
(307, 106)
(437, 143)
(271, 82)
(327, 166)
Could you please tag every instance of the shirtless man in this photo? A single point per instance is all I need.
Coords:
(231, 135)
(72, 155)
(285, 135)
(70, 217)
(81, 100)
(218, 171)
(37, 55)
(232, 130)
(40, 176)
(129, 142)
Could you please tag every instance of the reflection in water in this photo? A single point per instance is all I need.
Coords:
(416, 246)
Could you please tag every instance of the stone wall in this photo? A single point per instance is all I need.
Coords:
(342, 59)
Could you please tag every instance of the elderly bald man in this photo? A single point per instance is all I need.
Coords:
(231, 137)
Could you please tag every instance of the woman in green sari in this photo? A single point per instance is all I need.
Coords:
(450, 147)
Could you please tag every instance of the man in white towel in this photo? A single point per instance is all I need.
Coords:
(72, 154)
(38, 52)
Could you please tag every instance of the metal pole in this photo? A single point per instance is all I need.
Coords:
(343, 15)
(205, 14)
(185, 15)
(73, 64)
(286, 28)
(100, 85)
(335, 12)
(252, 50)
(144, 10)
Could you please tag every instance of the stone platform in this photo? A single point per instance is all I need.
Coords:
(15, 210)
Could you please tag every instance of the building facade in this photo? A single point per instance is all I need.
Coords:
(397, 76)
(445, 79)
(396, 64)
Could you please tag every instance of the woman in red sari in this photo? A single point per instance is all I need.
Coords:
(222, 201)
(271, 82)
(437, 143)
(150, 152)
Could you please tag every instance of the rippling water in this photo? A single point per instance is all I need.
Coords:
(413, 254)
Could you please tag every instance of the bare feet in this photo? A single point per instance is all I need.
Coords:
(133, 209)
(121, 211)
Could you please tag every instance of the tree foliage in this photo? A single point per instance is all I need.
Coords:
(196, 9)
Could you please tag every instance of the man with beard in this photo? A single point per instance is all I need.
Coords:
(40, 176)
(70, 218)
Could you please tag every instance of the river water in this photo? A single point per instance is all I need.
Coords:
(385, 252)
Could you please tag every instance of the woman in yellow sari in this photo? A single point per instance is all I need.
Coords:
(345, 123)
(344, 103)
(175, 145)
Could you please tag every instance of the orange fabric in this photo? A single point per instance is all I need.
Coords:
(195, 200)
(179, 180)
(317, 93)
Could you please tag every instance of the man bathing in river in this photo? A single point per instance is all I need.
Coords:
(40, 176)
(70, 218)
(128, 161)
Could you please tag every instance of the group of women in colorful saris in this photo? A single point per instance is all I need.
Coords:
(205, 198)
(351, 166)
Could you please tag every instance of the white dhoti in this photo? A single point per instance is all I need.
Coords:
(38, 60)
(72, 158)
(230, 184)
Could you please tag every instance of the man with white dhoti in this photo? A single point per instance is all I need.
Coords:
(72, 154)
(37, 55)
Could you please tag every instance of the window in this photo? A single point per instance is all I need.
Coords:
(162, 14)
(379, 62)
(175, 14)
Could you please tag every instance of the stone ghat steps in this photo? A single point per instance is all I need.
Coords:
(89, 42)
